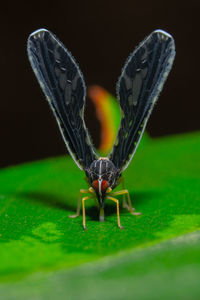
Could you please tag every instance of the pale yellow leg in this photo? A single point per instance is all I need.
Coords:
(91, 191)
(83, 209)
(129, 206)
(124, 202)
(79, 203)
(118, 217)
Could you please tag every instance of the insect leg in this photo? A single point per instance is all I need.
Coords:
(83, 209)
(124, 202)
(79, 203)
(129, 206)
(117, 203)
(92, 191)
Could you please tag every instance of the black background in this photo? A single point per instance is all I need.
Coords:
(100, 35)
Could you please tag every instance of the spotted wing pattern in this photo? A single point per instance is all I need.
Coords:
(62, 83)
(138, 88)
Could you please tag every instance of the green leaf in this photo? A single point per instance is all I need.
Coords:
(44, 254)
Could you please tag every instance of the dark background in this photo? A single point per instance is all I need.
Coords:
(100, 35)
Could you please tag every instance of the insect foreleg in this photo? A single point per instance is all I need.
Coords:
(79, 203)
(83, 209)
(118, 217)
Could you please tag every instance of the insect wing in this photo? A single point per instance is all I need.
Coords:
(138, 88)
(62, 83)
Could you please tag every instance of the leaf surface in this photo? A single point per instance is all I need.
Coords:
(40, 247)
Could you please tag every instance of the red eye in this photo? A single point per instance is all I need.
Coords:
(95, 185)
(104, 185)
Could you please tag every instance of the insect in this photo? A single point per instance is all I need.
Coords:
(138, 88)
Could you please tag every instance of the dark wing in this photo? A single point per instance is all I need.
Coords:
(138, 88)
(63, 85)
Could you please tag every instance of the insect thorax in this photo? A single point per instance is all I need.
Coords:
(104, 169)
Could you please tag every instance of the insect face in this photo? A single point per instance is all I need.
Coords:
(102, 175)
